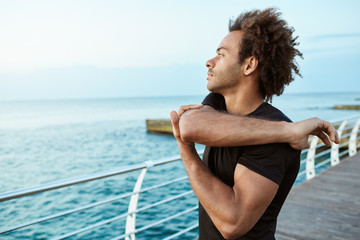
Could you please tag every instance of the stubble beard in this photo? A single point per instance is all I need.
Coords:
(224, 80)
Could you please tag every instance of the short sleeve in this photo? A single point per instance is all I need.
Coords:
(215, 101)
(269, 160)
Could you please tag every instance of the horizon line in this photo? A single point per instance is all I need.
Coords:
(154, 96)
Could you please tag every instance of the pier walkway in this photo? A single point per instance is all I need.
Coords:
(325, 207)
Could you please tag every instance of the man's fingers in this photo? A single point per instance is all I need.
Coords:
(324, 138)
(331, 132)
(185, 108)
(175, 123)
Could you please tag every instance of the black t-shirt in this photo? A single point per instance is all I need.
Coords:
(277, 162)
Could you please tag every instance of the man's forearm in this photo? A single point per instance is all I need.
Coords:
(209, 127)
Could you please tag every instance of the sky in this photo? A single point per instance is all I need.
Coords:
(105, 49)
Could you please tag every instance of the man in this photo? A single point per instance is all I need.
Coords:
(241, 189)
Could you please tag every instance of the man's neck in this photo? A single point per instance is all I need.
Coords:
(243, 101)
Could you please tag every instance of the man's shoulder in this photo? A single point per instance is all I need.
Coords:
(268, 112)
(215, 101)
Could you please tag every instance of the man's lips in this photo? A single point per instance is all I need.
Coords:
(210, 74)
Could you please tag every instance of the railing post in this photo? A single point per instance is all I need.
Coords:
(352, 142)
(335, 147)
(131, 219)
(310, 159)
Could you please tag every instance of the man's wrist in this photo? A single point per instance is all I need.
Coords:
(186, 146)
(287, 133)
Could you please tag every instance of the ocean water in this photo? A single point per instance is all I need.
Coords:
(44, 141)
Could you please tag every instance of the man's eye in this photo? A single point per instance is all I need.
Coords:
(220, 55)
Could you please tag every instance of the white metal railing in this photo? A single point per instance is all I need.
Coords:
(130, 215)
(348, 129)
(318, 156)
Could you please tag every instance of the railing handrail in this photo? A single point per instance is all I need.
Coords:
(82, 179)
(95, 204)
(343, 118)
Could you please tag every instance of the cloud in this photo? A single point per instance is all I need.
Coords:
(332, 45)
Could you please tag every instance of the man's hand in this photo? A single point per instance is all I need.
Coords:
(185, 108)
(175, 118)
(313, 126)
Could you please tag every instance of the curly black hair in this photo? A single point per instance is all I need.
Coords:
(268, 38)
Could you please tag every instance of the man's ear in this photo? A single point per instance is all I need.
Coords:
(251, 64)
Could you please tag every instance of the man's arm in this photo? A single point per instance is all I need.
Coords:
(206, 126)
(233, 210)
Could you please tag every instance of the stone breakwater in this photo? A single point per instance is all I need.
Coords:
(347, 107)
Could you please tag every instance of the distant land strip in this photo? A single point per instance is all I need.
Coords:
(347, 107)
(159, 126)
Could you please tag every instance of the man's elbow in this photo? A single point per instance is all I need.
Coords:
(232, 231)
(235, 227)
(239, 224)
(189, 129)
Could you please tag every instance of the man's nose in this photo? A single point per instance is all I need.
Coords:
(210, 63)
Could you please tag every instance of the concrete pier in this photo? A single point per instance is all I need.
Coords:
(347, 107)
(159, 126)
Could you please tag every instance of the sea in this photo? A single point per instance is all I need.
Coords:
(42, 141)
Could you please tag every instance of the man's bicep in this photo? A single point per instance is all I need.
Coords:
(255, 192)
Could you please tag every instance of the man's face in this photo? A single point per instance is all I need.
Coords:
(224, 69)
